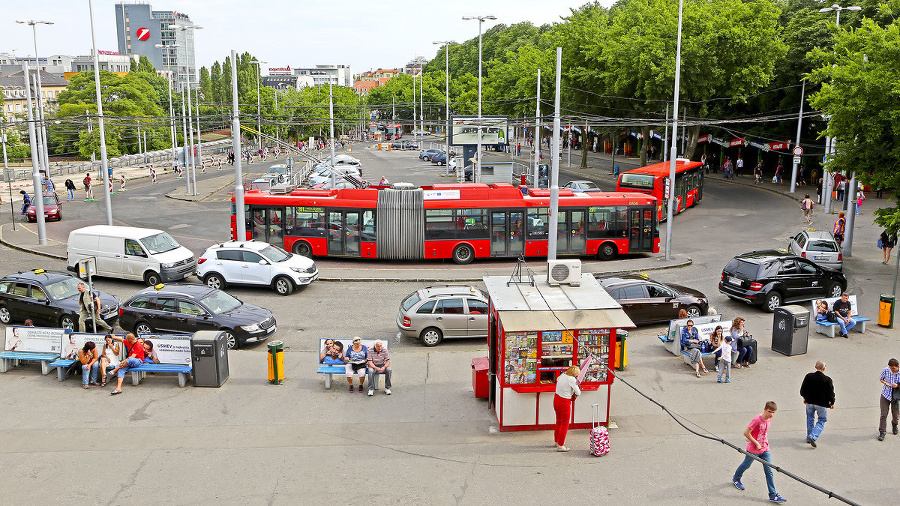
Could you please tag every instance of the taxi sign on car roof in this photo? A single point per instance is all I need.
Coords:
(159, 287)
(39, 271)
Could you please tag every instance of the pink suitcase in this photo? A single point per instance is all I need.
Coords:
(599, 434)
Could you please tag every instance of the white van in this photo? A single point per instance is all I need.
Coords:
(145, 254)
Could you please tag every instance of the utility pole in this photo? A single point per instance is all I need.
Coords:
(797, 143)
(240, 221)
(103, 161)
(187, 153)
(554, 174)
(536, 142)
(673, 154)
(38, 199)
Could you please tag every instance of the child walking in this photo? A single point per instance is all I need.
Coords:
(724, 366)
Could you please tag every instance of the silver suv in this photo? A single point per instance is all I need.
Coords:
(818, 247)
(436, 312)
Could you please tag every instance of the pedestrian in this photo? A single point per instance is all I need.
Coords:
(758, 172)
(89, 307)
(842, 187)
(566, 392)
(888, 241)
(890, 397)
(839, 227)
(806, 205)
(739, 166)
(779, 172)
(860, 198)
(817, 391)
(724, 365)
(26, 201)
(801, 175)
(70, 189)
(88, 192)
(758, 445)
(51, 186)
(819, 183)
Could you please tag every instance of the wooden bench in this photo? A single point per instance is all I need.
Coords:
(828, 328)
(62, 367)
(329, 370)
(10, 359)
(138, 373)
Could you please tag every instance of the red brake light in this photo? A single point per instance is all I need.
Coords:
(755, 286)
(201, 260)
(121, 311)
(840, 257)
(723, 276)
(803, 254)
(406, 321)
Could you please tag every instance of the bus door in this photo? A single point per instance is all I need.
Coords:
(267, 225)
(507, 233)
(640, 230)
(343, 233)
(570, 232)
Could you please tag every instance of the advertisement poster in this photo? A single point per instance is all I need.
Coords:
(75, 341)
(33, 339)
(171, 349)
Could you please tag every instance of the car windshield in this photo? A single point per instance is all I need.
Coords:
(159, 243)
(50, 200)
(220, 302)
(63, 289)
(411, 301)
(636, 181)
(275, 254)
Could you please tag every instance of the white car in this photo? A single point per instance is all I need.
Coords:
(255, 263)
(325, 175)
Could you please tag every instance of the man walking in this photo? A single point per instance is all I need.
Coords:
(89, 307)
(758, 445)
(817, 391)
(379, 362)
(890, 378)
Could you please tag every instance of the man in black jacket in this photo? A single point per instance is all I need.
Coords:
(817, 391)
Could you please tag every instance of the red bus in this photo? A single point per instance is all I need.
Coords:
(458, 221)
(393, 132)
(654, 180)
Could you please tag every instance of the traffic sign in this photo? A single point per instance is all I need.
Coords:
(796, 159)
(798, 151)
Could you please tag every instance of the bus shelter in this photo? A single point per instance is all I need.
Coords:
(536, 332)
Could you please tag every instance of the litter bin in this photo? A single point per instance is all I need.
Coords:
(480, 367)
(790, 330)
(209, 352)
(276, 362)
(886, 310)
(621, 349)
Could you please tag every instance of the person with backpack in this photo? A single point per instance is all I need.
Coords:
(806, 205)
(839, 227)
(88, 192)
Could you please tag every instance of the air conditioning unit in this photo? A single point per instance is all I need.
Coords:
(564, 272)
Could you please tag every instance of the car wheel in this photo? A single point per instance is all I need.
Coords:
(431, 336)
(835, 290)
(67, 322)
(141, 328)
(230, 341)
(693, 311)
(215, 281)
(5, 316)
(283, 285)
(151, 278)
(463, 254)
(772, 301)
(607, 251)
(303, 249)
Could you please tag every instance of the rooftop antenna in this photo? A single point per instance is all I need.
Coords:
(520, 272)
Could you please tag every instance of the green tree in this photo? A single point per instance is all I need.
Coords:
(145, 66)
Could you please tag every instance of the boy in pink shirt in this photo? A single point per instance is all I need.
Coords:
(757, 434)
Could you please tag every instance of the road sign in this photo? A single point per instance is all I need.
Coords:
(796, 159)
(798, 151)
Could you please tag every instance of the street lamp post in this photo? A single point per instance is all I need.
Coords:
(103, 162)
(481, 19)
(188, 136)
(38, 199)
(172, 134)
(240, 223)
(446, 44)
(193, 172)
(39, 100)
(258, 117)
(673, 151)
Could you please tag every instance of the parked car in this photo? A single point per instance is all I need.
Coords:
(325, 175)
(441, 158)
(185, 309)
(52, 208)
(49, 299)
(340, 184)
(255, 263)
(426, 154)
(436, 312)
(583, 186)
(772, 277)
(818, 246)
(340, 159)
(421, 132)
(647, 301)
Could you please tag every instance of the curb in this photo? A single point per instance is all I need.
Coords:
(26, 250)
(208, 194)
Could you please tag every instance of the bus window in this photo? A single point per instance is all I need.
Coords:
(644, 181)
(305, 221)
(439, 224)
(367, 232)
(607, 222)
(536, 223)
(471, 224)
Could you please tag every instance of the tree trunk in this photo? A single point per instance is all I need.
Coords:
(644, 144)
(692, 133)
(585, 140)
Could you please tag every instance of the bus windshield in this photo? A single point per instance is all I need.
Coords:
(637, 180)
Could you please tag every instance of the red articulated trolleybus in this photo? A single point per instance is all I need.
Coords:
(654, 180)
(458, 221)
(393, 132)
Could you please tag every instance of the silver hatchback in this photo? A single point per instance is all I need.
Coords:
(436, 312)
(818, 247)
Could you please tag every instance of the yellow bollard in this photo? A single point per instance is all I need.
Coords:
(276, 362)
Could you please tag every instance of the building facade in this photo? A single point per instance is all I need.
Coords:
(139, 29)
(338, 75)
(109, 61)
(13, 89)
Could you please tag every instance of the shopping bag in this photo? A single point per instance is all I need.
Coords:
(599, 434)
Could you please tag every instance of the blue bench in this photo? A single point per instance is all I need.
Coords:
(828, 328)
(329, 370)
(664, 338)
(183, 371)
(10, 359)
(62, 366)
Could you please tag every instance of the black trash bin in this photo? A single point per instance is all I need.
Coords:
(790, 330)
(209, 352)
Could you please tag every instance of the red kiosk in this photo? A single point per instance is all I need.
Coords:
(537, 330)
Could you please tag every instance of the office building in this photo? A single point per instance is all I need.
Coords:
(139, 29)
(338, 75)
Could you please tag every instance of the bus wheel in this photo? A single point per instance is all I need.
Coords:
(607, 251)
(463, 254)
(302, 248)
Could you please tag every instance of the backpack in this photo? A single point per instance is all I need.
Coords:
(803, 205)
(86, 181)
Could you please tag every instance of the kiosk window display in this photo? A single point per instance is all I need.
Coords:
(538, 332)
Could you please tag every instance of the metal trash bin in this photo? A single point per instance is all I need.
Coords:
(790, 330)
(886, 310)
(480, 368)
(209, 352)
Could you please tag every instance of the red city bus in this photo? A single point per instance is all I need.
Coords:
(654, 180)
(458, 221)
(393, 132)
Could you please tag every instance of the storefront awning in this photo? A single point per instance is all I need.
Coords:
(518, 321)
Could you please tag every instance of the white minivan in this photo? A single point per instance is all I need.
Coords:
(144, 254)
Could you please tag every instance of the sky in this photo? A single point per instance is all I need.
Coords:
(300, 33)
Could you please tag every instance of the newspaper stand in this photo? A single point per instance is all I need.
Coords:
(536, 331)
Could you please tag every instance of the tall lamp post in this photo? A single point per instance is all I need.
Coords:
(258, 117)
(39, 100)
(446, 44)
(673, 152)
(167, 65)
(481, 19)
(103, 162)
(191, 75)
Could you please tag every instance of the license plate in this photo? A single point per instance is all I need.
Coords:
(820, 257)
(734, 281)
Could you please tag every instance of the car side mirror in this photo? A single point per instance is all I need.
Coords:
(43, 300)
(263, 262)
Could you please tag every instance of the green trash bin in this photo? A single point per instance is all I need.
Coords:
(621, 349)
(276, 362)
(886, 310)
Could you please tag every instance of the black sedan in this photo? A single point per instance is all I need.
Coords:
(185, 309)
(48, 299)
(441, 158)
(647, 301)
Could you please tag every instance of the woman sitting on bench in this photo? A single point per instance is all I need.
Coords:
(744, 352)
(715, 340)
(690, 341)
(109, 356)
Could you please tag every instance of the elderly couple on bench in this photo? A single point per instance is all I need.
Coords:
(360, 361)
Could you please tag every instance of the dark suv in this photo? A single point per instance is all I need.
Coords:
(185, 309)
(770, 278)
(49, 299)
